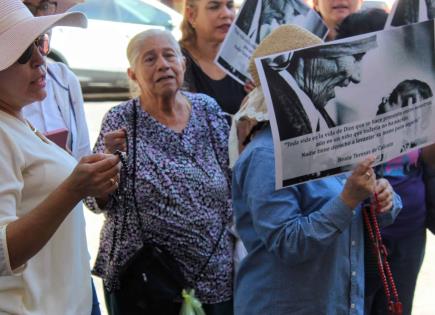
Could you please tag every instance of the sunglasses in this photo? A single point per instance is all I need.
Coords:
(44, 8)
(42, 42)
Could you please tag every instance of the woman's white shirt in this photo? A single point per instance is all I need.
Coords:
(57, 279)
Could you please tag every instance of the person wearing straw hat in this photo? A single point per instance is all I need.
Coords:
(44, 260)
(63, 107)
(305, 242)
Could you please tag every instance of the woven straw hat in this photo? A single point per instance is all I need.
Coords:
(19, 28)
(284, 38)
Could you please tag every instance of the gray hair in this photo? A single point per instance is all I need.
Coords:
(135, 47)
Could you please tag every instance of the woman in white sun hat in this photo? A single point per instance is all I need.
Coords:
(44, 263)
(63, 108)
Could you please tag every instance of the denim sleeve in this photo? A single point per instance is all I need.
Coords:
(277, 218)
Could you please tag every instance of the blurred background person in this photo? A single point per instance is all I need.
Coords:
(63, 106)
(204, 27)
(334, 11)
(270, 14)
(405, 239)
(43, 254)
(182, 179)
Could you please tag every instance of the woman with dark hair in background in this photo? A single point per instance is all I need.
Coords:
(204, 27)
(405, 239)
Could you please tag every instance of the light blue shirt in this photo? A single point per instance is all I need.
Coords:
(305, 246)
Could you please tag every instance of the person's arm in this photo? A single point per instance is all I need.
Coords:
(218, 135)
(219, 130)
(278, 217)
(83, 143)
(25, 236)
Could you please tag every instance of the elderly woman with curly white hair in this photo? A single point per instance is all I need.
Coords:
(178, 184)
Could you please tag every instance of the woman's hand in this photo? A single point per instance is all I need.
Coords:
(96, 175)
(361, 184)
(385, 194)
(115, 140)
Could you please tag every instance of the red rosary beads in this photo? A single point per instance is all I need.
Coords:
(369, 212)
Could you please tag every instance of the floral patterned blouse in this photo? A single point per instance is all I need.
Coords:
(182, 189)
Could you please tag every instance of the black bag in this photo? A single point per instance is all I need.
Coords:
(149, 280)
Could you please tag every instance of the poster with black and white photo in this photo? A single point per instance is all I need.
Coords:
(405, 12)
(332, 105)
(256, 19)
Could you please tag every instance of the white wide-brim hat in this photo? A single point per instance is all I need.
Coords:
(19, 28)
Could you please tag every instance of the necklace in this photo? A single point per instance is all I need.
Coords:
(37, 133)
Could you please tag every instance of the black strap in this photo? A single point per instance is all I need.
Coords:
(124, 191)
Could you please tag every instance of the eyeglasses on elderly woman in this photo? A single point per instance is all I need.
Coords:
(46, 7)
(42, 42)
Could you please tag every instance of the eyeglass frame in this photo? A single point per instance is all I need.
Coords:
(42, 7)
(42, 42)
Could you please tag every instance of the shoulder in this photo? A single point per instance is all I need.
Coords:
(203, 101)
(207, 107)
(262, 141)
(188, 58)
(259, 149)
(191, 72)
(118, 113)
(11, 136)
(186, 54)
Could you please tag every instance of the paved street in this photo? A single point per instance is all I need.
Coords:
(424, 302)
